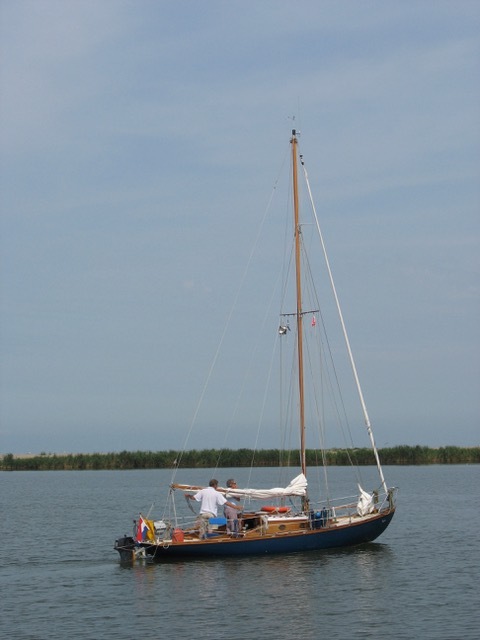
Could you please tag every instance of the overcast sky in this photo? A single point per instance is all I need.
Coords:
(139, 145)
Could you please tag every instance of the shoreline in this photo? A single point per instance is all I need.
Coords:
(212, 458)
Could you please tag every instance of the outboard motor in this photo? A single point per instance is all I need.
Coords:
(125, 547)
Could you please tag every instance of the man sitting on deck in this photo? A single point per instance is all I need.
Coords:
(233, 524)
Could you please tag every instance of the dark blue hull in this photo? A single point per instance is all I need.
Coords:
(311, 540)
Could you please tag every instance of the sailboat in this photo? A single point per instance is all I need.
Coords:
(285, 519)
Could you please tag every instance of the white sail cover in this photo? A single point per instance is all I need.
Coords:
(365, 503)
(297, 487)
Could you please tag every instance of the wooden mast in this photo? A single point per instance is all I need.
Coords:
(299, 314)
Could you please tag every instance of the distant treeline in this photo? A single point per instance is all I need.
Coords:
(211, 458)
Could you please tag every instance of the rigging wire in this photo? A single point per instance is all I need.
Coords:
(228, 321)
(347, 341)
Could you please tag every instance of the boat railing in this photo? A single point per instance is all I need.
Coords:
(322, 513)
(347, 507)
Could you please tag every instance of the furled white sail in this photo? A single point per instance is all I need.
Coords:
(365, 503)
(297, 487)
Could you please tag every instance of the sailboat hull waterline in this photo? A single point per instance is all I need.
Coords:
(295, 522)
(329, 537)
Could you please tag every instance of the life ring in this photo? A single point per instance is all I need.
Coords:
(276, 509)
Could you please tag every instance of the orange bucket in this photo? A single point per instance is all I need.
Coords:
(178, 535)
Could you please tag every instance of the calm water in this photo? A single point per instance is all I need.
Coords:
(60, 577)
